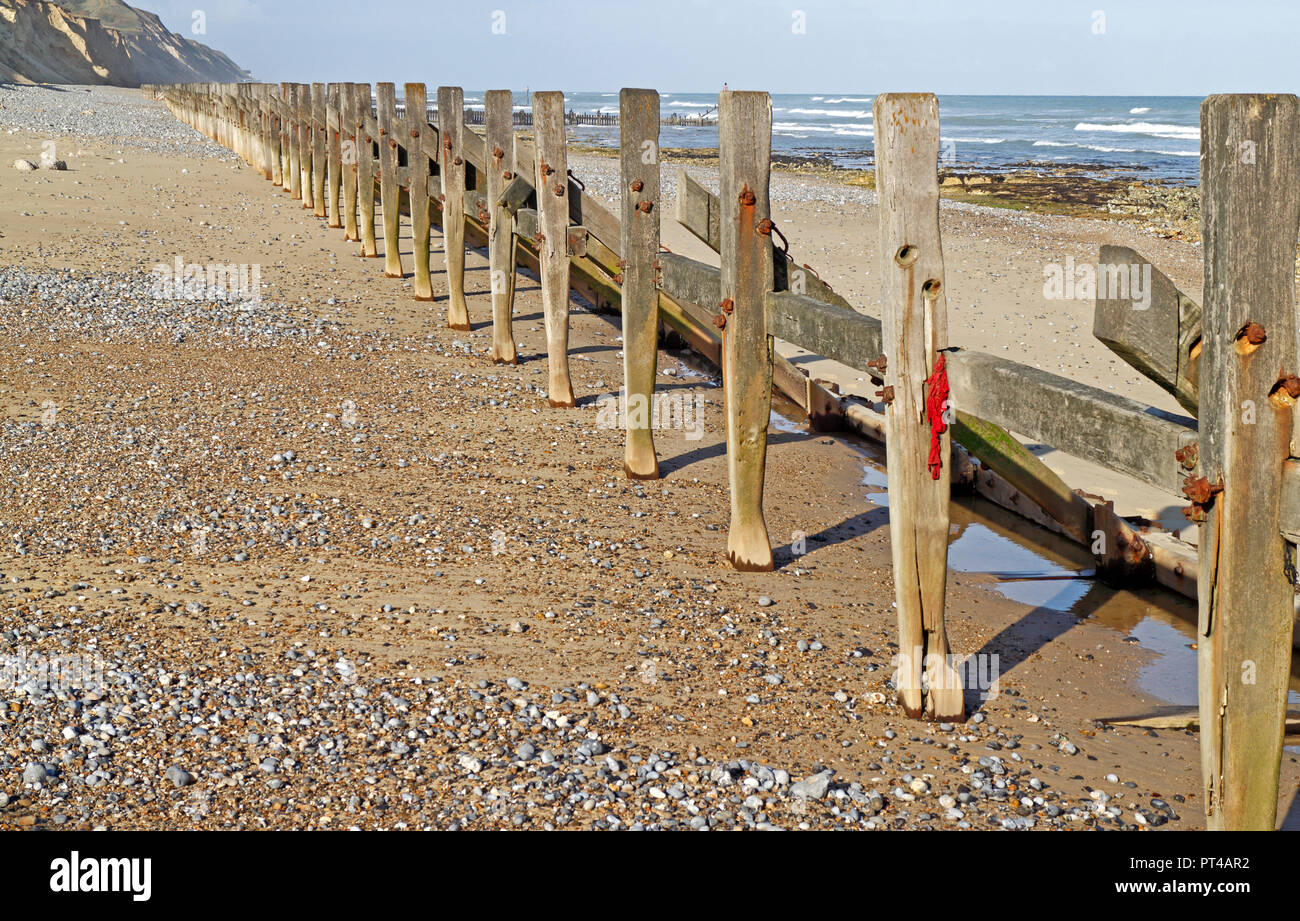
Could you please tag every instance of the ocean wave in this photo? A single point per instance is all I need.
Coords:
(794, 129)
(832, 113)
(1152, 129)
(689, 105)
(847, 99)
(975, 140)
(1140, 110)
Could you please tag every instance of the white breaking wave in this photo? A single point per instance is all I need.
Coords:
(1141, 110)
(689, 105)
(846, 99)
(1156, 130)
(833, 113)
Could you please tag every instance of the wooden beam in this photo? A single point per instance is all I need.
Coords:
(744, 161)
(914, 330)
(498, 117)
(417, 185)
(295, 142)
(552, 184)
(451, 164)
(349, 145)
(638, 127)
(1143, 318)
(1250, 181)
(303, 124)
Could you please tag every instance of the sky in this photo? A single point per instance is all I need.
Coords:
(1041, 47)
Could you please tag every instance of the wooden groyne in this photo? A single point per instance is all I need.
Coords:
(944, 412)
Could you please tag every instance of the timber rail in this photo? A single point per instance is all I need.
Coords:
(1231, 360)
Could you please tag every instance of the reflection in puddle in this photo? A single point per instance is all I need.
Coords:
(1043, 570)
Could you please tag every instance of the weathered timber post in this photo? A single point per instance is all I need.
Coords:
(283, 121)
(498, 118)
(319, 134)
(333, 154)
(551, 181)
(451, 165)
(367, 129)
(1250, 215)
(304, 143)
(294, 179)
(349, 145)
(914, 330)
(744, 167)
(417, 168)
(270, 145)
(386, 99)
(638, 129)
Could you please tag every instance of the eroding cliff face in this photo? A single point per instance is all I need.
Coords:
(45, 42)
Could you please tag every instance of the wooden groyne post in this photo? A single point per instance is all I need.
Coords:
(551, 181)
(367, 132)
(639, 194)
(416, 141)
(744, 160)
(451, 164)
(914, 331)
(389, 127)
(1250, 175)
(498, 108)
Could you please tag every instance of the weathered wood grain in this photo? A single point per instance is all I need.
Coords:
(333, 155)
(451, 164)
(366, 136)
(913, 330)
(319, 137)
(498, 116)
(638, 127)
(418, 177)
(1151, 324)
(551, 181)
(1250, 180)
(744, 158)
(389, 125)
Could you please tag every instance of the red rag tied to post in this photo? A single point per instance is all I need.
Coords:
(936, 400)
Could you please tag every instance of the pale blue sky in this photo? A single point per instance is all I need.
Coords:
(1143, 47)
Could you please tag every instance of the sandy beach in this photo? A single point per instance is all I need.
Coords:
(339, 570)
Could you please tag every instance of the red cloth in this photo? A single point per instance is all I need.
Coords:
(936, 399)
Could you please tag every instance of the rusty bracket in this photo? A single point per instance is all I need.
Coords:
(578, 182)
(886, 395)
(767, 227)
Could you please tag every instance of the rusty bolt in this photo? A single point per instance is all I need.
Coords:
(457, 161)
(645, 207)
(383, 131)
(1253, 333)
(447, 144)
(442, 197)
(618, 278)
(637, 185)
(720, 321)
(879, 364)
(498, 152)
(392, 143)
(546, 169)
(886, 395)
(559, 189)
(1200, 490)
(764, 227)
(727, 305)
(507, 175)
(415, 133)
(1194, 513)
(747, 198)
(1291, 384)
(1187, 455)
(483, 217)
(540, 238)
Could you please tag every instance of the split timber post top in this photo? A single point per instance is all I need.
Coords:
(914, 331)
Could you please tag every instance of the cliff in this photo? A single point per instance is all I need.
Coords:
(101, 42)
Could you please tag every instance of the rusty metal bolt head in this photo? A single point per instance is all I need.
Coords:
(764, 227)
(879, 364)
(447, 144)
(1291, 384)
(645, 207)
(720, 321)
(383, 131)
(747, 196)
(392, 143)
(617, 278)
(507, 175)
(727, 305)
(886, 395)
(457, 161)
(1194, 513)
(415, 133)
(498, 152)
(1187, 455)
(1253, 333)
(1200, 490)
(559, 189)
(637, 185)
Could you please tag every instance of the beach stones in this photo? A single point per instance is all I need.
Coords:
(25, 166)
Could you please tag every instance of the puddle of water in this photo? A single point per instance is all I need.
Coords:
(1043, 570)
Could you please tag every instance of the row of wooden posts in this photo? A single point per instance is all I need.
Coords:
(329, 148)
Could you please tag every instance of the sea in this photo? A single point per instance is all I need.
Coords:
(1156, 136)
